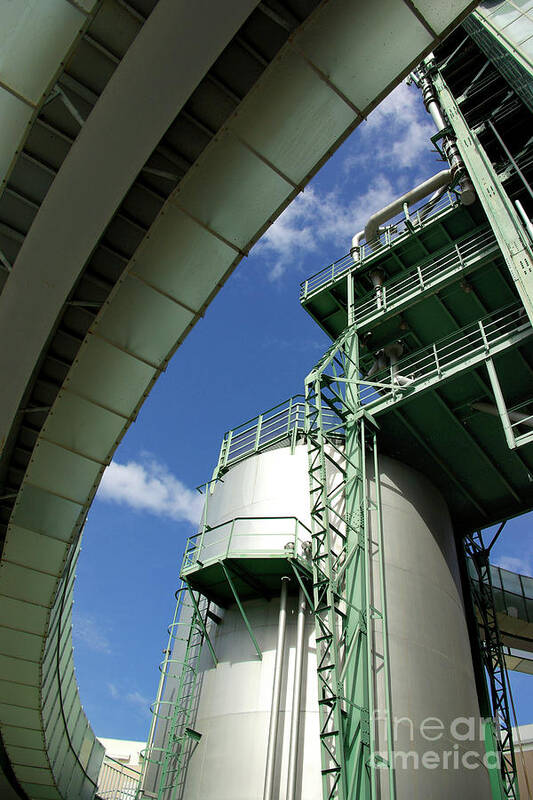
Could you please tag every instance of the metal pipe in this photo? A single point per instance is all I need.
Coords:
(384, 621)
(268, 791)
(437, 182)
(393, 352)
(514, 416)
(449, 146)
(442, 178)
(356, 244)
(431, 102)
(525, 218)
(296, 693)
(433, 200)
(377, 277)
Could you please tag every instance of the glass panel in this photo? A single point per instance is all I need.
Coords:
(515, 605)
(495, 577)
(529, 608)
(527, 584)
(499, 600)
(511, 581)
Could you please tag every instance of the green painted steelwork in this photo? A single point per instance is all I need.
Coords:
(240, 606)
(345, 606)
(443, 360)
(500, 212)
(440, 341)
(493, 660)
(281, 423)
(393, 234)
(256, 572)
(445, 301)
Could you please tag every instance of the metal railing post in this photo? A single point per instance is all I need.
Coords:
(258, 432)
(296, 698)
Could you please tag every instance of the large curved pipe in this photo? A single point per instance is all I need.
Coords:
(442, 178)
(276, 694)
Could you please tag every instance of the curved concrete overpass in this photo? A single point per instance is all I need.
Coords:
(146, 152)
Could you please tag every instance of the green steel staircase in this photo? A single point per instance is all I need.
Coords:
(348, 578)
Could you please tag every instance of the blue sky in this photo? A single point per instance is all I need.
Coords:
(251, 351)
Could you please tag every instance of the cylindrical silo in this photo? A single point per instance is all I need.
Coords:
(258, 514)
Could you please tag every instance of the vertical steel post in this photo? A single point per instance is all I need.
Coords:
(384, 624)
(296, 697)
(268, 792)
(500, 403)
(358, 677)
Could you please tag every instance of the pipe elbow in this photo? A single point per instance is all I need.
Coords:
(356, 244)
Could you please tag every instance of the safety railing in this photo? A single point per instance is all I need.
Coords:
(117, 781)
(281, 422)
(424, 277)
(401, 226)
(521, 419)
(513, 593)
(247, 536)
(169, 744)
(454, 352)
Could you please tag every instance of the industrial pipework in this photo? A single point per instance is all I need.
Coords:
(437, 184)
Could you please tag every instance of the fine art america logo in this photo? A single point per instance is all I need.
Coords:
(433, 744)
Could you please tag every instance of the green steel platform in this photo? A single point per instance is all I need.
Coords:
(443, 273)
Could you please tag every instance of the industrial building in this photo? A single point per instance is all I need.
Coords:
(339, 630)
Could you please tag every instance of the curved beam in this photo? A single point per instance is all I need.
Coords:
(138, 105)
(38, 38)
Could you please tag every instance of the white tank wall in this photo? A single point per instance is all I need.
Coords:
(234, 712)
(430, 661)
(274, 484)
(431, 670)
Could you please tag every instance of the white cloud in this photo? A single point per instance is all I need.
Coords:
(514, 564)
(313, 219)
(151, 487)
(398, 130)
(88, 632)
(137, 699)
(387, 147)
(133, 698)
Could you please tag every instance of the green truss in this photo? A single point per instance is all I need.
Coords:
(347, 566)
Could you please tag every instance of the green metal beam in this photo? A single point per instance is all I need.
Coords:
(202, 624)
(500, 212)
(241, 609)
(303, 587)
(421, 440)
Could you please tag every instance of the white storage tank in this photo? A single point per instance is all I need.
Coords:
(432, 682)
